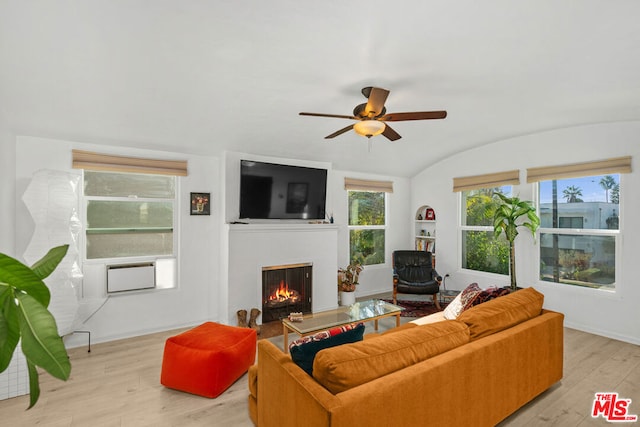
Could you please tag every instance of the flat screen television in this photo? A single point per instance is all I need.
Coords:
(275, 191)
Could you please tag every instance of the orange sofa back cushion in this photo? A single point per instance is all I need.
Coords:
(347, 366)
(502, 313)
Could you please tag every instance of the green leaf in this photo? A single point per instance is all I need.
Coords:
(9, 329)
(18, 275)
(40, 340)
(45, 266)
(34, 384)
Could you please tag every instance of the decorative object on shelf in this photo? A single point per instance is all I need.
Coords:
(419, 217)
(507, 219)
(200, 203)
(24, 299)
(430, 214)
(347, 282)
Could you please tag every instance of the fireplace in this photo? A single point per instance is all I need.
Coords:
(285, 289)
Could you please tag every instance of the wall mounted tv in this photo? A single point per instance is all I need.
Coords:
(274, 191)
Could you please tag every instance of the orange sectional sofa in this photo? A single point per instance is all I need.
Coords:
(475, 370)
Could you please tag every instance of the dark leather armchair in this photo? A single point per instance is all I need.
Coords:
(413, 273)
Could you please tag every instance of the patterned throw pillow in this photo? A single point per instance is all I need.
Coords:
(486, 295)
(457, 306)
(303, 350)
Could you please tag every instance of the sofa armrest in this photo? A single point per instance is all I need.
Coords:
(286, 394)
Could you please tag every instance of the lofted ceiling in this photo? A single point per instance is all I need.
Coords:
(209, 76)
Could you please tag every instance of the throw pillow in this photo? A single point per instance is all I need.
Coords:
(303, 351)
(488, 294)
(455, 307)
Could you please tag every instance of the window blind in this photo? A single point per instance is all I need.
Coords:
(105, 162)
(489, 180)
(367, 185)
(602, 167)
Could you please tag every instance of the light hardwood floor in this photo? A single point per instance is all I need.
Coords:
(118, 384)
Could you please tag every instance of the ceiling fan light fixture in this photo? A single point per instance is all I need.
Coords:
(369, 128)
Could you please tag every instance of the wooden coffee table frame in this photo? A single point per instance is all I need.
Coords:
(332, 320)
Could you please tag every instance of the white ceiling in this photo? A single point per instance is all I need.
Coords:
(207, 76)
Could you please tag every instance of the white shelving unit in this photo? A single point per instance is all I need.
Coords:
(425, 230)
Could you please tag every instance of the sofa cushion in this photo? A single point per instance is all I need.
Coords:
(402, 327)
(502, 313)
(303, 351)
(341, 368)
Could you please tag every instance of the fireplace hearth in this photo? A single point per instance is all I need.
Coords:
(286, 289)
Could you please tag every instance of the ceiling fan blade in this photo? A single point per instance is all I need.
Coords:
(339, 132)
(415, 115)
(336, 116)
(391, 134)
(375, 104)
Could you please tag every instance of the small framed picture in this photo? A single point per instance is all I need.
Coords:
(200, 203)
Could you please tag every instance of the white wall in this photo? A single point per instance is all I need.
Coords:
(7, 189)
(611, 314)
(196, 298)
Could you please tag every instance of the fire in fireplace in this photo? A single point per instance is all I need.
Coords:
(283, 295)
(285, 289)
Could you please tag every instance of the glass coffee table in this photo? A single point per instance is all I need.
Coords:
(363, 311)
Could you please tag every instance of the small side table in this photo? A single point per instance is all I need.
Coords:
(448, 295)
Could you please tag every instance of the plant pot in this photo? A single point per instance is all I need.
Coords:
(347, 298)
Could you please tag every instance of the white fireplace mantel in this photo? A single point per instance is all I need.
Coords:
(253, 246)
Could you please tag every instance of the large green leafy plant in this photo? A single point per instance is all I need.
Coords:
(24, 317)
(507, 218)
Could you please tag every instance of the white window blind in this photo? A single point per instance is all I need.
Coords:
(368, 185)
(575, 170)
(88, 160)
(490, 180)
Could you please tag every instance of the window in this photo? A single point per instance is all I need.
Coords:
(129, 214)
(579, 230)
(367, 226)
(480, 250)
(571, 222)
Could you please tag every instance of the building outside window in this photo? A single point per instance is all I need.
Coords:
(579, 230)
(367, 227)
(129, 215)
(480, 250)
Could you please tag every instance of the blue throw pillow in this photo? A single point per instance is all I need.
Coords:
(304, 350)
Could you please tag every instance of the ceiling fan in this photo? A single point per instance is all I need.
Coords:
(372, 116)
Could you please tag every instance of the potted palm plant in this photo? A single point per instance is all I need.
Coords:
(347, 282)
(510, 214)
(24, 318)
